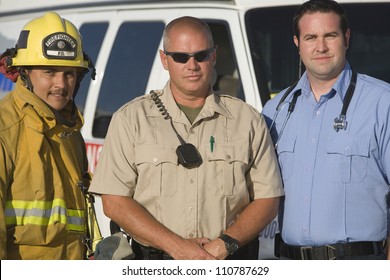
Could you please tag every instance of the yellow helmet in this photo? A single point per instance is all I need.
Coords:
(50, 41)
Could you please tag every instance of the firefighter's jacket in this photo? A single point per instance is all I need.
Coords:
(42, 163)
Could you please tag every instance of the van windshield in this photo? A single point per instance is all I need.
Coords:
(275, 57)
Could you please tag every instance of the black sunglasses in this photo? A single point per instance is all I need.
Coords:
(182, 57)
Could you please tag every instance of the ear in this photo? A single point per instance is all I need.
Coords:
(346, 38)
(296, 41)
(163, 58)
(214, 57)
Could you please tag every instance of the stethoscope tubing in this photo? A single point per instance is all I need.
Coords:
(339, 122)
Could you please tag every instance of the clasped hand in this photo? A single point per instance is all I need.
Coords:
(200, 249)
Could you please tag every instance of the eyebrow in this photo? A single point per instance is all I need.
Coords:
(332, 33)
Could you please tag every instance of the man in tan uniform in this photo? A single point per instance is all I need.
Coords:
(205, 201)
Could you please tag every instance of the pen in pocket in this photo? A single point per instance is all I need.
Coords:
(212, 141)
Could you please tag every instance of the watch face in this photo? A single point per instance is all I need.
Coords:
(231, 244)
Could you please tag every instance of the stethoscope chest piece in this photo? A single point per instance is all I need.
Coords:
(340, 123)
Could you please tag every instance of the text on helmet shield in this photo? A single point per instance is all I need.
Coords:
(59, 46)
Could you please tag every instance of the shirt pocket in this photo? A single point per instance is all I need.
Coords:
(226, 169)
(348, 158)
(157, 171)
(285, 151)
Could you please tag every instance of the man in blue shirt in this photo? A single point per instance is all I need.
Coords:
(334, 154)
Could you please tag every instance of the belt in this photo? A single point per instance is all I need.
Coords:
(249, 251)
(149, 253)
(331, 251)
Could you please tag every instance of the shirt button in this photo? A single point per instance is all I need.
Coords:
(313, 140)
(190, 208)
(191, 235)
(346, 148)
(192, 132)
(192, 181)
(318, 112)
(155, 159)
(228, 157)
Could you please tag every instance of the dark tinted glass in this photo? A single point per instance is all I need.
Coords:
(227, 78)
(6, 85)
(128, 68)
(181, 57)
(369, 50)
(92, 36)
(274, 55)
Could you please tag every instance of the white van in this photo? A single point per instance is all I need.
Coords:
(256, 56)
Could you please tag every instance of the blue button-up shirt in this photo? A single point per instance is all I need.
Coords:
(335, 183)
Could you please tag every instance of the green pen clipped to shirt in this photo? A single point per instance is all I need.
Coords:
(212, 141)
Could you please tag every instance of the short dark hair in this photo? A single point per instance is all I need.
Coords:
(322, 6)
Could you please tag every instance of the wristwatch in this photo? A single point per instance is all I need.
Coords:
(231, 244)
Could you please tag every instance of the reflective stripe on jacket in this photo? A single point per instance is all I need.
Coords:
(41, 165)
(43, 213)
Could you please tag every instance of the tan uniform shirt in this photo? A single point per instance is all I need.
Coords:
(139, 160)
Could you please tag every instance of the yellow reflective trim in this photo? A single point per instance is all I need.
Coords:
(24, 220)
(28, 204)
(19, 212)
(76, 213)
(56, 217)
(76, 227)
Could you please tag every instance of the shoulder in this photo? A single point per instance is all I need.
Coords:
(235, 105)
(10, 114)
(270, 105)
(228, 99)
(141, 104)
(374, 83)
(373, 92)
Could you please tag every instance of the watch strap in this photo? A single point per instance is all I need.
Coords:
(231, 244)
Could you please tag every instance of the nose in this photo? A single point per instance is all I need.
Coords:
(192, 64)
(321, 45)
(60, 80)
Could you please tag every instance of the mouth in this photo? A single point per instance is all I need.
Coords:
(193, 77)
(322, 58)
(59, 94)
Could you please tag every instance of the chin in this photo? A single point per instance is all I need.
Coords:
(57, 107)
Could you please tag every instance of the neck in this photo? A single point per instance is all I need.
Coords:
(67, 115)
(320, 87)
(189, 100)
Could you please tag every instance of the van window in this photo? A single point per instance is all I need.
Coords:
(92, 36)
(227, 79)
(370, 39)
(127, 71)
(275, 57)
(6, 85)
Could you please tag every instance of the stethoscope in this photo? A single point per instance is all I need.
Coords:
(339, 122)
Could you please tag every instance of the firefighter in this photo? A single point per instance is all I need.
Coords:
(43, 163)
